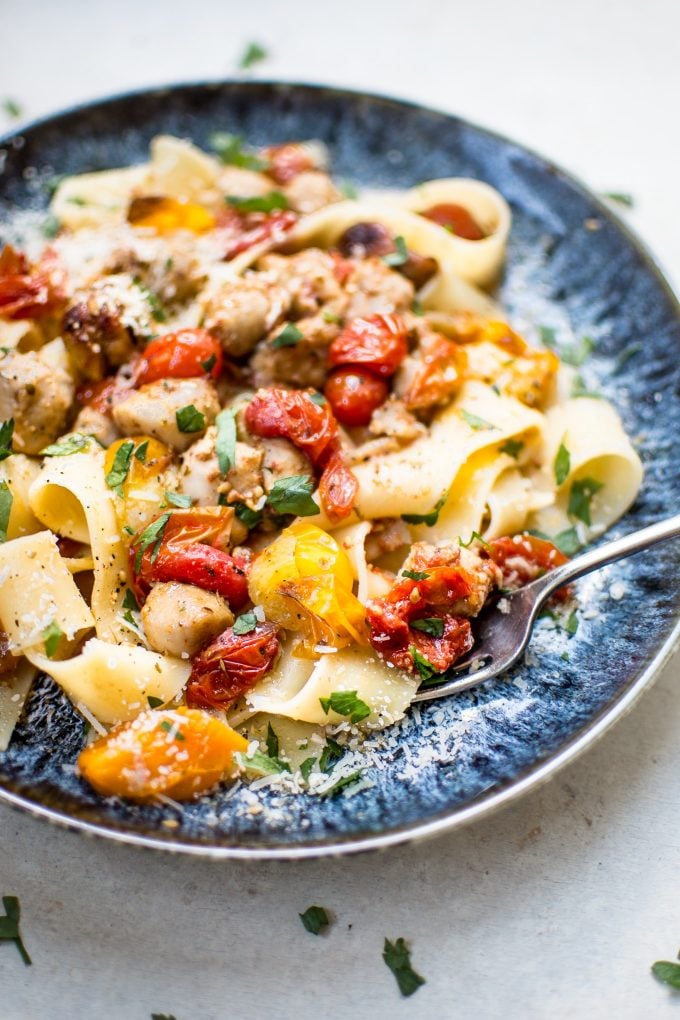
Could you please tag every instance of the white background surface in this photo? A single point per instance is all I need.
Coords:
(557, 906)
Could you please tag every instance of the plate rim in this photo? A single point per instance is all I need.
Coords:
(534, 776)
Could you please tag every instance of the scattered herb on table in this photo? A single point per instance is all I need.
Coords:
(9, 926)
(315, 919)
(12, 108)
(668, 972)
(254, 53)
(397, 956)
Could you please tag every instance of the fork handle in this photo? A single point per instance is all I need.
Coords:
(603, 554)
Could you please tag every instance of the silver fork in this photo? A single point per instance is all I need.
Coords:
(501, 637)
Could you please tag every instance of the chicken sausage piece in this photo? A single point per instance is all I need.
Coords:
(178, 619)
(152, 410)
(38, 395)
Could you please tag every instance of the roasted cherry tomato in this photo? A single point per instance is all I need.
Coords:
(102, 395)
(29, 291)
(312, 428)
(522, 558)
(230, 665)
(165, 215)
(180, 753)
(181, 355)
(377, 342)
(288, 160)
(255, 229)
(457, 219)
(354, 395)
(189, 546)
(438, 376)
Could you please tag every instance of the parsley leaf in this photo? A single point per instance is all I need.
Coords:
(172, 729)
(11, 107)
(432, 625)
(430, 518)
(399, 256)
(154, 702)
(251, 518)
(620, 197)
(157, 310)
(245, 623)
(513, 447)
(423, 665)
(72, 444)
(262, 763)
(332, 753)
(270, 202)
(342, 782)
(272, 742)
(178, 499)
(293, 495)
(190, 419)
(314, 919)
(571, 626)
(331, 317)
(306, 767)
(130, 602)
(225, 444)
(567, 541)
(153, 533)
(318, 398)
(140, 452)
(50, 227)
(668, 972)
(346, 703)
(570, 353)
(579, 389)
(52, 635)
(562, 464)
(253, 54)
(348, 190)
(209, 363)
(548, 335)
(580, 498)
(478, 424)
(6, 433)
(9, 926)
(120, 467)
(230, 149)
(162, 1016)
(417, 307)
(471, 539)
(6, 500)
(415, 575)
(289, 336)
(397, 956)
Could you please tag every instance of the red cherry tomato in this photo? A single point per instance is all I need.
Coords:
(29, 291)
(189, 547)
(231, 665)
(288, 160)
(354, 395)
(457, 219)
(523, 558)
(181, 355)
(253, 229)
(377, 342)
(438, 376)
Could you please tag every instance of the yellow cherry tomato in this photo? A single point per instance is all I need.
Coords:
(303, 580)
(142, 488)
(180, 753)
(167, 215)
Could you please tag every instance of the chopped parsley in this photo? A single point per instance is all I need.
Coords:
(432, 625)
(289, 336)
(152, 535)
(50, 227)
(415, 575)
(72, 444)
(417, 307)
(567, 541)
(141, 451)
(424, 667)
(571, 626)
(77, 200)
(293, 495)
(162, 1016)
(270, 202)
(548, 335)
(399, 256)
(225, 444)
(314, 919)
(209, 363)
(178, 499)
(331, 317)
(262, 763)
(11, 107)
(272, 741)
(51, 636)
(172, 729)
(154, 702)
(476, 423)
(580, 498)
(120, 467)
(251, 518)
(430, 518)
(245, 623)
(668, 972)
(157, 309)
(9, 926)
(562, 464)
(624, 357)
(343, 782)
(346, 703)
(331, 754)
(474, 536)
(6, 432)
(620, 197)
(579, 389)
(253, 54)
(6, 500)
(573, 354)
(190, 419)
(397, 956)
(130, 602)
(306, 768)
(348, 190)
(230, 149)
(317, 398)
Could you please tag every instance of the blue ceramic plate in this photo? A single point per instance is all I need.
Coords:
(570, 262)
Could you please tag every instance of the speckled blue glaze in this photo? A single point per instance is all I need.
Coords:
(560, 273)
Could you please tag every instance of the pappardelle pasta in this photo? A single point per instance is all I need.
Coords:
(266, 452)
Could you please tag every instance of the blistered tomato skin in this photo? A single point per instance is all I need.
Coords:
(29, 291)
(522, 558)
(185, 354)
(230, 665)
(376, 342)
(179, 753)
(457, 219)
(354, 395)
